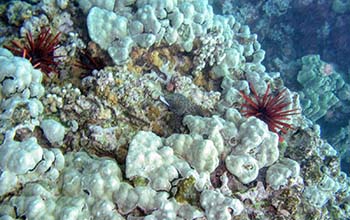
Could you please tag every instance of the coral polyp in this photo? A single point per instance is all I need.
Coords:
(40, 51)
(270, 109)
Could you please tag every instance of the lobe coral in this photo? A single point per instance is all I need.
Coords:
(270, 109)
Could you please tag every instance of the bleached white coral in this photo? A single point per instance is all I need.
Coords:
(92, 181)
(84, 189)
(153, 21)
(247, 143)
(244, 167)
(25, 161)
(53, 131)
(219, 207)
(18, 77)
(20, 88)
(112, 27)
(86, 5)
(128, 198)
(209, 128)
(257, 141)
(149, 158)
(280, 173)
(35, 202)
(201, 154)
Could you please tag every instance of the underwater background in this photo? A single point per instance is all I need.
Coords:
(174, 109)
(289, 31)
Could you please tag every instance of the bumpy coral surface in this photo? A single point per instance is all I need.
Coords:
(156, 131)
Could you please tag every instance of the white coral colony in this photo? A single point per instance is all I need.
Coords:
(114, 146)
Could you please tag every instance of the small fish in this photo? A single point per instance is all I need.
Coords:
(180, 105)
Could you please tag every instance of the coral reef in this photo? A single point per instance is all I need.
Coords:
(156, 130)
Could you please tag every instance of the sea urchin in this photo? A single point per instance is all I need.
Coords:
(39, 51)
(270, 109)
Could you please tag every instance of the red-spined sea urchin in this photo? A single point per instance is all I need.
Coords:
(270, 109)
(39, 51)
